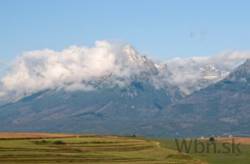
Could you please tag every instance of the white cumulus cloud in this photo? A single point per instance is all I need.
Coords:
(71, 68)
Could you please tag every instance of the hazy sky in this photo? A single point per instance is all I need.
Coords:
(160, 28)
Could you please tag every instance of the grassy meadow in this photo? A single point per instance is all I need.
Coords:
(87, 149)
(217, 158)
(43, 148)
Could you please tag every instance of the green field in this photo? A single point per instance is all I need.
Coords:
(89, 149)
(105, 150)
(215, 158)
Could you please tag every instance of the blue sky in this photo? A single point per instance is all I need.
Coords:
(160, 28)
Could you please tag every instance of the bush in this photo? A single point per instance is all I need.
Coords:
(58, 142)
(211, 139)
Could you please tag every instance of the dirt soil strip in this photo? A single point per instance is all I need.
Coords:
(30, 135)
(242, 140)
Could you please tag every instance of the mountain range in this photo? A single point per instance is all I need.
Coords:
(131, 94)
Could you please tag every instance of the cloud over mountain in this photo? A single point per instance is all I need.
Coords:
(76, 68)
(194, 73)
(73, 67)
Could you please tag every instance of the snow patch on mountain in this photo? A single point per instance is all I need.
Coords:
(191, 74)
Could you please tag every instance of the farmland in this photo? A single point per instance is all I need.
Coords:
(47, 148)
(219, 157)
(42, 148)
